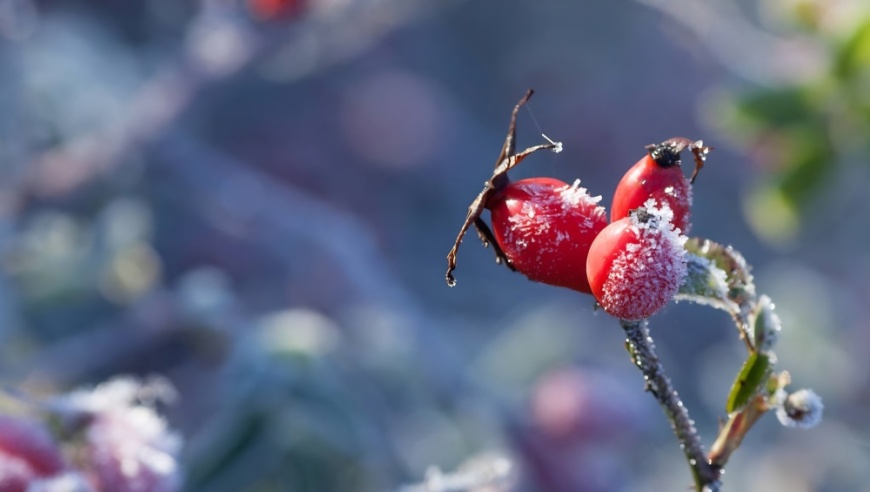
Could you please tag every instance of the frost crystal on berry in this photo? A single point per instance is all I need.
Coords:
(647, 273)
(574, 194)
(545, 227)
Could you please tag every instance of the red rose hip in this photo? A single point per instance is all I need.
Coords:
(658, 175)
(545, 227)
(637, 264)
(542, 200)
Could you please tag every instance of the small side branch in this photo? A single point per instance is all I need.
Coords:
(642, 350)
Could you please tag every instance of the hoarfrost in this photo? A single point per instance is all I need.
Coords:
(802, 409)
(710, 284)
(572, 195)
(546, 227)
(767, 324)
(648, 272)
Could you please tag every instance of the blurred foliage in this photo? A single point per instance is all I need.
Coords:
(802, 134)
(257, 205)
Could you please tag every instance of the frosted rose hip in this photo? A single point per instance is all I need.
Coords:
(545, 228)
(636, 264)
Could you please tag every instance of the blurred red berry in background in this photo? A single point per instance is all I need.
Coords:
(276, 9)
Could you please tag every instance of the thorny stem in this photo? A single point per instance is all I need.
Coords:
(642, 350)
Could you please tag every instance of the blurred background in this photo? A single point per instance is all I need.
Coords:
(254, 200)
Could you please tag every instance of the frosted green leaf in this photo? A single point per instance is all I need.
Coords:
(766, 324)
(752, 376)
(706, 284)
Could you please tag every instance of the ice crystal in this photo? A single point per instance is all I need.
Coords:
(546, 227)
(647, 273)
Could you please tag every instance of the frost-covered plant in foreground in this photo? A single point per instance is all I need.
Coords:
(636, 265)
(113, 440)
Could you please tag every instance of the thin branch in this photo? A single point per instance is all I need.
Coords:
(642, 349)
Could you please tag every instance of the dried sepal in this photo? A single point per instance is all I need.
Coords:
(673, 146)
(507, 159)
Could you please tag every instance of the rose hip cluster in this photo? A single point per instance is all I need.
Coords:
(558, 234)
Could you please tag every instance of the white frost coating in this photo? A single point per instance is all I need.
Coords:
(704, 150)
(660, 220)
(65, 482)
(646, 274)
(545, 229)
(802, 409)
(489, 471)
(770, 323)
(118, 392)
(572, 195)
(662, 217)
(778, 398)
(720, 279)
(557, 145)
(131, 447)
(717, 295)
(537, 212)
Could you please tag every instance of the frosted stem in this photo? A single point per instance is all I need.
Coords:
(642, 349)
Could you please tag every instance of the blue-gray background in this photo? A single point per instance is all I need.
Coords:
(260, 210)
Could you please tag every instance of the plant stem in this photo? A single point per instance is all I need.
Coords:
(642, 349)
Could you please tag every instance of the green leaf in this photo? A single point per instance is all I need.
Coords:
(771, 215)
(741, 289)
(807, 163)
(773, 209)
(706, 283)
(854, 53)
(753, 375)
(766, 324)
(773, 108)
